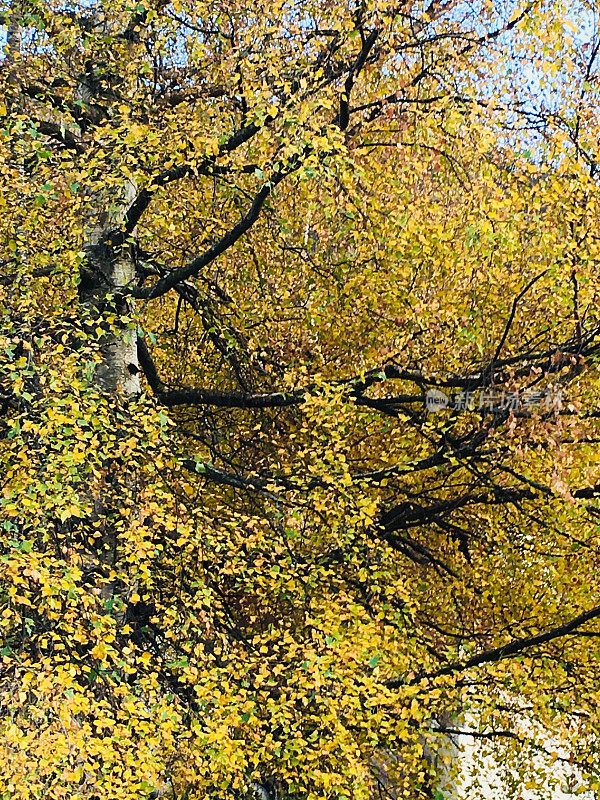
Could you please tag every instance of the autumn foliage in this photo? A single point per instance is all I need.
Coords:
(240, 243)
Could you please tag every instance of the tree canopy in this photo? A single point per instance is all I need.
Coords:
(299, 396)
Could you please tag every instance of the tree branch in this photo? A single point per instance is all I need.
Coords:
(142, 201)
(166, 283)
(513, 648)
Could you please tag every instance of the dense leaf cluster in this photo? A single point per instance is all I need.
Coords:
(240, 243)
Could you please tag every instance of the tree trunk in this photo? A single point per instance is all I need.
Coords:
(108, 270)
(104, 275)
(443, 753)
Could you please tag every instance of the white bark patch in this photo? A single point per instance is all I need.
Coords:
(119, 368)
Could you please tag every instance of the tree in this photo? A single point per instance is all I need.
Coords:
(246, 249)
